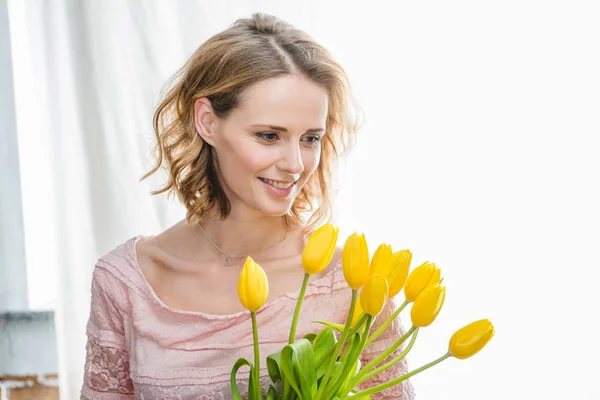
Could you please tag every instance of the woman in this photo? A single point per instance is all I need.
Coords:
(249, 134)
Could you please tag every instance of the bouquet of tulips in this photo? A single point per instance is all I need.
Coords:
(326, 365)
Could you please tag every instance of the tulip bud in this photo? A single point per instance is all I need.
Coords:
(253, 286)
(374, 295)
(382, 260)
(398, 271)
(427, 306)
(467, 341)
(423, 276)
(355, 261)
(319, 249)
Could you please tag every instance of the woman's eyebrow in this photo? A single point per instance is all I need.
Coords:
(281, 129)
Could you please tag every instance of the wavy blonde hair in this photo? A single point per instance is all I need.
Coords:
(251, 50)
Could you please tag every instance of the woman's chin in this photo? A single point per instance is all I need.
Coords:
(278, 209)
(275, 212)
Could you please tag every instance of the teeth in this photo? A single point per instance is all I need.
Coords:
(278, 185)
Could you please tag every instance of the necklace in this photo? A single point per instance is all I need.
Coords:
(228, 257)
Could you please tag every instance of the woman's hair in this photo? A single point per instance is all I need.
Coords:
(251, 50)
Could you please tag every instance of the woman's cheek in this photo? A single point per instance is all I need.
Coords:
(310, 159)
(255, 158)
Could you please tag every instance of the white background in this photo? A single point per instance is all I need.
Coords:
(479, 153)
(482, 154)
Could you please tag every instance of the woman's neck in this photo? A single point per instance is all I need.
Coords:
(238, 235)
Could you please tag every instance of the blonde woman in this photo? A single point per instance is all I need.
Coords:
(249, 132)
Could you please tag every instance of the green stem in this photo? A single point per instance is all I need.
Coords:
(379, 359)
(396, 381)
(357, 327)
(350, 362)
(392, 361)
(338, 347)
(256, 356)
(292, 338)
(387, 322)
(359, 324)
(298, 307)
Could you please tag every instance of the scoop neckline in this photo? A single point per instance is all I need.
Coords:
(291, 294)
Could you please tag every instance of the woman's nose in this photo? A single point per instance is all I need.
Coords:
(291, 159)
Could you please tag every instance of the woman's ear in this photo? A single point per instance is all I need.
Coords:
(204, 119)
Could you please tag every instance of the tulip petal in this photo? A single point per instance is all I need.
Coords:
(382, 260)
(253, 286)
(355, 261)
(427, 306)
(420, 278)
(374, 295)
(470, 339)
(319, 249)
(399, 271)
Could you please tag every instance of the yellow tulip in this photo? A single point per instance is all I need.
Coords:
(423, 276)
(468, 340)
(427, 306)
(374, 295)
(253, 286)
(382, 260)
(355, 261)
(319, 249)
(398, 271)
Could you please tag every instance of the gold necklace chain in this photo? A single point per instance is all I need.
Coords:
(228, 257)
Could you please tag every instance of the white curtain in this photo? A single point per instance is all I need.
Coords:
(478, 154)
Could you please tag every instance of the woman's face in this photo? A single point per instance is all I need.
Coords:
(270, 144)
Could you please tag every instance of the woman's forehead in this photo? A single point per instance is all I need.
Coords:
(286, 98)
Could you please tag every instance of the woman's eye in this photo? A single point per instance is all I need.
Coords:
(312, 139)
(267, 136)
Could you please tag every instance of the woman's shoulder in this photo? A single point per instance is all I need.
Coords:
(119, 266)
(122, 255)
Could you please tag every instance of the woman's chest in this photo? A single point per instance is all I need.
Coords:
(214, 291)
(188, 357)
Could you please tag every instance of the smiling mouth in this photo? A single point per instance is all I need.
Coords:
(278, 185)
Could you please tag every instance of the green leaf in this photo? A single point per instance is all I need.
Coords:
(305, 369)
(348, 378)
(337, 368)
(234, 390)
(353, 397)
(298, 368)
(287, 369)
(323, 346)
(273, 366)
(351, 349)
(348, 361)
(337, 327)
(272, 394)
(254, 388)
(310, 337)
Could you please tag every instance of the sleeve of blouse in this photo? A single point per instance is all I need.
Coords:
(106, 375)
(394, 331)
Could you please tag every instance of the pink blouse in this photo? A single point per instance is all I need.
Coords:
(139, 348)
